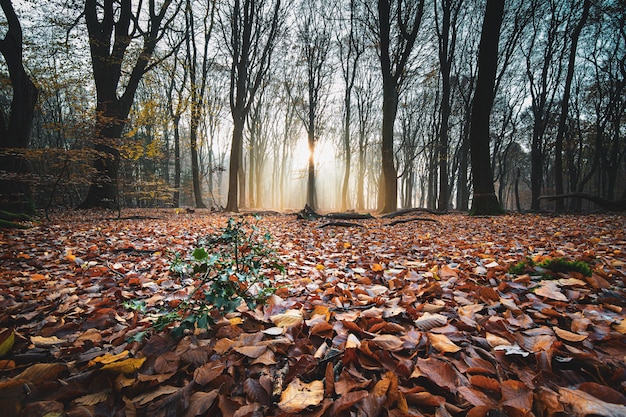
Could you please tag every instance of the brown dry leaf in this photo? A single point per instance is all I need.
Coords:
(208, 372)
(583, 404)
(93, 399)
(495, 340)
(299, 395)
(41, 341)
(550, 289)
(439, 372)
(476, 398)
(517, 395)
(621, 327)
(346, 401)
(442, 343)
(603, 392)
(388, 342)
(40, 372)
(485, 382)
(144, 399)
(200, 402)
(251, 351)
(289, 318)
(569, 336)
(430, 321)
(446, 273)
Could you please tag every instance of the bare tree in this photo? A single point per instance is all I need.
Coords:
(310, 92)
(485, 200)
(558, 147)
(15, 128)
(250, 29)
(395, 27)
(198, 72)
(112, 26)
(447, 31)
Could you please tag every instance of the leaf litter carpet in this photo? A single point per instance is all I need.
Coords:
(419, 319)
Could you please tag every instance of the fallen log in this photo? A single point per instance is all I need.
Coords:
(609, 205)
(402, 212)
(413, 219)
(340, 224)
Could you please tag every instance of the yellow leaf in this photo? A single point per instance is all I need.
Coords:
(442, 343)
(319, 267)
(7, 339)
(621, 327)
(235, 321)
(289, 318)
(108, 358)
(347, 245)
(377, 267)
(127, 366)
(299, 395)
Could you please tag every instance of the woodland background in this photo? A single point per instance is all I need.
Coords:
(248, 103)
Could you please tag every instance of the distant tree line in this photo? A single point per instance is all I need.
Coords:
(353, 104)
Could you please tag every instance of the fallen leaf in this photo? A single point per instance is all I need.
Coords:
(442, 343)
(430, 321)
(208, 372)
(569, 336)
(7, 339)
(144, 399)
(200, 402)
(388, 342)
(41, 341)
(583, 404)
(126, 366)
(299, 395)
(93, 399)
(289, 318)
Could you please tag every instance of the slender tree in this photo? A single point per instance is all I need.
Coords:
(309, 95)
(447, 31)
(198, 72)
(484, 200)
(558, 145)
(112, 26)
(395, 31)
(15, 128)
(250, 29)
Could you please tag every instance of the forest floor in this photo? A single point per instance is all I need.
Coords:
(421, 318)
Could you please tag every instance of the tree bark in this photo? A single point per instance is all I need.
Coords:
(485, 200)
(15, 193)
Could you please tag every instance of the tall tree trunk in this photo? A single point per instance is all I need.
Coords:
(235, 160)
(15, 193)
(109, 40)
(485, 200)
(558, 147)
(389, 174)
(177, 161)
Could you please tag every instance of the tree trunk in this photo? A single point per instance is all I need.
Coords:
(109, 40)
(558, 148)
(15, 194)
(176, 162)
(235, 158)
(389, 175)
(485, 200)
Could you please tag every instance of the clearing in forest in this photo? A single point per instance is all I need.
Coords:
(439, 316)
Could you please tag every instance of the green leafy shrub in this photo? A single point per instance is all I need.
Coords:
(554, 265)
(232, 267)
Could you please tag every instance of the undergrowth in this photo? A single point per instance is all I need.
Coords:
(232, 267)
(549, 267)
